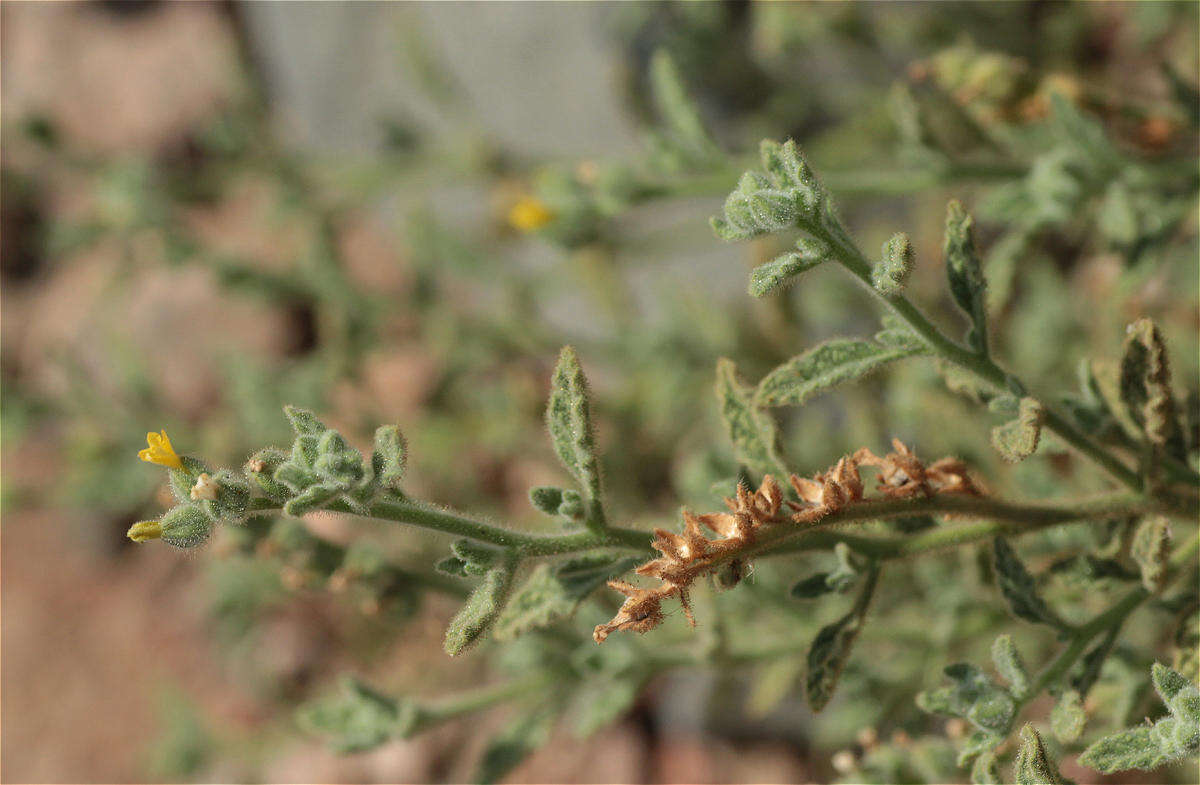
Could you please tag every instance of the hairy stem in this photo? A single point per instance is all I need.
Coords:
(1106, 621)
(981, 366)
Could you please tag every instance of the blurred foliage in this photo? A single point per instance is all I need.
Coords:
(1069, 130)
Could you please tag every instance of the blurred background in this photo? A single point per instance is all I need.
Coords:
(213, 209)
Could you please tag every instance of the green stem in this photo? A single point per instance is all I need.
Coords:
(983, 367)
(428, 517)
(471, 701)
(1106, 621)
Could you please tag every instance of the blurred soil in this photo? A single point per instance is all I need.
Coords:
(94, 627)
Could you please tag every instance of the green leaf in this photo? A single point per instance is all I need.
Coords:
(1145, 385)
(1170, 684)
(390, 456)
(1017, 439)
(1019, 588)
(1147, 747)
(1067, 718)
(972, 696)
(479, 612)
(824, 367)
(1151, 548)
(786, 195)
(311, 498)
(1010, 666)
(751, 430)
(784, 269)
(601, 702)
(303, 421)
(1135, 748)
(513, 744)
(1033, 765)
(546, 499)
(812, 587)
(830, 650)
(828, 655)
(684, 128)
(892, 271)
(965, 274)
(570, 424)
(356, 719)
(550, 594)
(985, 770)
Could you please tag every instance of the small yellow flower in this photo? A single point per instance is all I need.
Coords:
(530, 214)
(160, 451)
(144, 531)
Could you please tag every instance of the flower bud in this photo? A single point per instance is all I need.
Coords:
(185, 526)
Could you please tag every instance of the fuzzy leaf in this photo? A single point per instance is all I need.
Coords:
(972, 696)
(1147, 747)
(828, 655)
(965, 274)
(783, 269)
(1019, 588)
(390, 455)
(751, 430)
(570, 424)
(601, 702)
(311, 498)
(891, 272)
(1146, 388)
(684, 128)
(1067, 718)
(479, 612)
(1135, 748)
(1010, 666)
(546, 499)
(830, 650)
(785, 195)
(303, 421)
(985, 770)
(824, 367)
(1151, 547)
(550, 594)
(1033, 765)
(513, 744)
(1017, 439)
(356, 719)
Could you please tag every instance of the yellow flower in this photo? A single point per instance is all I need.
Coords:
(530, 214)
(160, 451)
(143, 531)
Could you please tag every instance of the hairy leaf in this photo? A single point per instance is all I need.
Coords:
(750, 429)
(356, 719)
(479, 612)
(513, 744)
(1151, 547)
(1010, 666)
(1017, 439)
(826, 366)
(965, 273)
(891, 272)
(1147, 747)
(552, 593)
(830, 650)
(390, 455)
(1019, 588)
(1033, 765)
(570, 423)
(1067, 718)
(783, 269)
(1146, 388)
